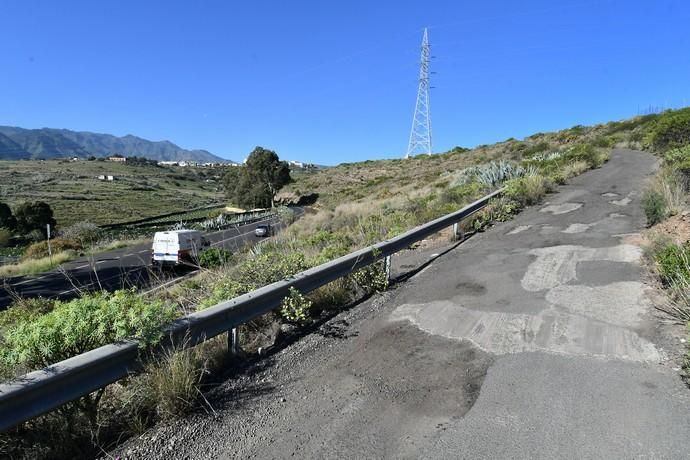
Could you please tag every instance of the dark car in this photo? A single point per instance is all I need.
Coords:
(263, 230)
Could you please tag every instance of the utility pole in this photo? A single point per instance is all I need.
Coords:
(420, 134)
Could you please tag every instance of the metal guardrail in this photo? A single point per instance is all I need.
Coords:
(42, 391)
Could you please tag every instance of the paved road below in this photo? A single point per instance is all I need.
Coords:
(536, 339)
(119, 269)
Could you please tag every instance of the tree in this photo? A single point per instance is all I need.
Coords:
(7, 220)
(34, 215)
(256, 184)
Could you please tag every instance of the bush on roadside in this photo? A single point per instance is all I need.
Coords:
(80, 325)
(587, 153)
(528, 190)
(295, 307)
(25, 309)
(33, 266)
(665, 195)
(5, 237)
(170, 384)
(34, 215)
(39, 250)
(654, 206)
(7, 219)
(673, 262)
(372, 278)
(670, 130)
(215, 257)
(85, 233)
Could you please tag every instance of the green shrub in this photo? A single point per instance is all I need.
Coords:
(7, 219)
(673, 263)
(603, 142)
(536, 148)
(215, 257)
(80, 325)
(558, 177)
(86, 233)
(586, 153)
(270, 267)
(224, 290)
(677, 156)
(39, 250)
(461, 194)
(34, 215)
(330, 245)
(670, 130)
(654, 207)
(372, 278)
(527, 190)
(5, 237)
(25, 309)
(295, 307)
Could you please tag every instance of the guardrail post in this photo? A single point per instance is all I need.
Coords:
(458, 233)
(387, 267)
(234, 341)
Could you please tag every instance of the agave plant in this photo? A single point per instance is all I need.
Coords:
(544, 156)
(491, 174)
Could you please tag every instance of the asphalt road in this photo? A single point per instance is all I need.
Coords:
(535, 339)
(122, 268)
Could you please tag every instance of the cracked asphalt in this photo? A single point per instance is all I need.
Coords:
(535, 339)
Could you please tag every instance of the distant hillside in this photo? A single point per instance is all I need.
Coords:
(19, 143)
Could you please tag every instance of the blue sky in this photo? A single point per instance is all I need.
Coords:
(331, 82)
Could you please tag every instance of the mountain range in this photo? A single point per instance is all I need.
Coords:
(25, 144)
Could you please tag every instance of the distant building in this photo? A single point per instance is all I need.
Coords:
(101, 177)
(117, 158)
(111, 178)
(167, 163)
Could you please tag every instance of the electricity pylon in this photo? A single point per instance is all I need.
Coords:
(420, 134)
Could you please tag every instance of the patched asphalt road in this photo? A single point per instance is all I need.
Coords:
(536, 339)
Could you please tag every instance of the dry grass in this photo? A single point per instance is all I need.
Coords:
(34, 266)
(171, 384)
(670, 186)
(575, 169)
(117, 244)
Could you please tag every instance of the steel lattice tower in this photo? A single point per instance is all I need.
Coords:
(420, 134)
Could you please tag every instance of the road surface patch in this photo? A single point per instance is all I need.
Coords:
(557, 265)
(518, 229)
(564, 208)
(549, 331)
(577, 228)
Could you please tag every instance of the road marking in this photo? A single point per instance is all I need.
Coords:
(29, 281)
(81, 266)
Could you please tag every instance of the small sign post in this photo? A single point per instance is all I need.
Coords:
(50, 251)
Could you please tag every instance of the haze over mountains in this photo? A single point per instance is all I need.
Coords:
(24, 144)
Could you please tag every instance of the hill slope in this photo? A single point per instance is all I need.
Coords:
(74, 192)
(19, 143)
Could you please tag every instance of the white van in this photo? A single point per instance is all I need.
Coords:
(177, 247)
